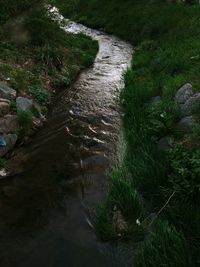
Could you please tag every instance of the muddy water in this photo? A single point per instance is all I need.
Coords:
(47, 210)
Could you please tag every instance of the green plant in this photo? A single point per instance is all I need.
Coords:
(25, 119)
(185, 172)
(161, 117)
(104, 225)
(39, 94)
(164, 247)
(51, 57)
(124, 200)
(124, 197)
(2, 162)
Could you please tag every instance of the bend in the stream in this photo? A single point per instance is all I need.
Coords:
(47, 211)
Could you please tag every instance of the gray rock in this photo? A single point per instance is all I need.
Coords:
(9, 124)
(187, 124)
(184, 93)
(10, 140)
(24, 104)
(165, 143)
(4, 105)
(7, 92)
(155, 100)
(191, 106)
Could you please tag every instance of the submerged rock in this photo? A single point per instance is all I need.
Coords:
(9, 124)
(10, 141)
(24, 104)
(7, 92)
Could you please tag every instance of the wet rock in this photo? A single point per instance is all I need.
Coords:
(24, 104)
(7, 92)
(9, 124)
(4, 105)
(37, 123)
(165, 143)
(2, 141)
(184, 93)
(191, 106)
(186, 124)
(10, 141)
(3, 173)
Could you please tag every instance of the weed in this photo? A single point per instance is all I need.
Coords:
(40, 95)
(164, 247)
(25, 119)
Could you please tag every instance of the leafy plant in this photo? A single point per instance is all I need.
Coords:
(39, 94)
(162, 117)
(185, 172)
(25, 119)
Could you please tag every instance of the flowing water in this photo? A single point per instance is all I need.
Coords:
(47, 209)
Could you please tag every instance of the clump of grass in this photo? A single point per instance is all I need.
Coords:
(104, 225)
(122, 197)
(164, 247)
(2, 162)
(162, 117)
(39, 94)
(185, 172)
(25, 119)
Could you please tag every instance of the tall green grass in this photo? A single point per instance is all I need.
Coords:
(124, 198)
(164, 247)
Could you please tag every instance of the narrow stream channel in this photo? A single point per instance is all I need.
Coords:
(47, 211)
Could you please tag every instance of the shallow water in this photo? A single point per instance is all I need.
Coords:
(47, 210)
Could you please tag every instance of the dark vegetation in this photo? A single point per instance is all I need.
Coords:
(156, 191)
(36, 55)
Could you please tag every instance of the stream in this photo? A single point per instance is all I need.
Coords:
(47, 210)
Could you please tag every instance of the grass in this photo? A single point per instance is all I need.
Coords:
(166, 39)
(45, 57)
(164, 247)
(25, 119)
(32, 66)
(37, 56)
(124, 198)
